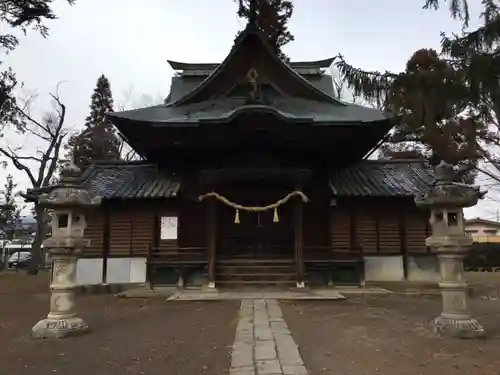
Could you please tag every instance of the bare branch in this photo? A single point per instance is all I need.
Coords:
(20, 166)
(41, 165)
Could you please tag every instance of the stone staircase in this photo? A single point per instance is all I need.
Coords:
(256, 273)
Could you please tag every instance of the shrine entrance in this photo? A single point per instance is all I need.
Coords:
(255, 231)
(255, 235)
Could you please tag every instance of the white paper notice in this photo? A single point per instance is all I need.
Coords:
(168, 228)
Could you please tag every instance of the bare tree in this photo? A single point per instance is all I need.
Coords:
(41, 165)
(129, 102)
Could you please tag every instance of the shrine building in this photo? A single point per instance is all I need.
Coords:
(253, 173)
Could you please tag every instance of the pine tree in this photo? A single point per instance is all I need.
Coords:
(447, 101)
(271, 18)
(98, 140)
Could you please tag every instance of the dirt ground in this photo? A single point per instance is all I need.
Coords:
(389, 335)
(132, 336)
(365, 335)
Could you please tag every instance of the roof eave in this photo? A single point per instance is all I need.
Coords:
(179, 65)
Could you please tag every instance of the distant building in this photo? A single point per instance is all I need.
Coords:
(483, 230)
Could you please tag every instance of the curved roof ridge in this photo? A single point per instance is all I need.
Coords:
(239, 40)
(180, 65)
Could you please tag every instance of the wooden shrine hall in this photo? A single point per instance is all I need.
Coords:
(253, 173)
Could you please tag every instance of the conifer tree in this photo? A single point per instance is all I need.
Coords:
(10, 213)
(98, 140)
(448, 101)
(271, 18)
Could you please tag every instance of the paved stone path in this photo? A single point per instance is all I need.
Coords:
(263, 343)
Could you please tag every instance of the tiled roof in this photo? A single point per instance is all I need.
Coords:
(382, 178)
(139, 180)
(129, 181)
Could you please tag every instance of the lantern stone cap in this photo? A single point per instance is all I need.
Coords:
(446, 192)
(65, 245)
(68, 193)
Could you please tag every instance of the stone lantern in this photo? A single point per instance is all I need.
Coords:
(69, 204)
(446, 200)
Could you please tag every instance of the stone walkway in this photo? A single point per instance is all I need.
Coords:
(263, 343)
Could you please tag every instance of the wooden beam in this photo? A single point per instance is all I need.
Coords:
(156, 231)
(105, 241)
(402, 238)
(299, 238)
(155, 243)
(353, 242)
(211, 238)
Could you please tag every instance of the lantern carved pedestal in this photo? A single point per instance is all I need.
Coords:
(446, 200)
(68, 224)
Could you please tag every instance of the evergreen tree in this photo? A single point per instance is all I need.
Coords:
(271, 18)
(10, 213)
(447, 101)
(98, 140)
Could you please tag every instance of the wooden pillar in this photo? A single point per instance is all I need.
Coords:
(211, 240)
(155, 243)
(353, 236)
(105, 242)
(377, 229)
(299, 240)
(402, 237)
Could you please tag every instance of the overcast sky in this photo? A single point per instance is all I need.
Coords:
(130, 40)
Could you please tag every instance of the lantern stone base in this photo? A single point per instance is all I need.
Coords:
(59, 328)
(458, 328)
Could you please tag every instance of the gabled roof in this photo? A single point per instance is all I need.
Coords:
(252, 40)
(226, 93)
(382, 178)
(183, 85)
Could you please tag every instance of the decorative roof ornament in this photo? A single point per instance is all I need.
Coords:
(445, 192)
(255, 94)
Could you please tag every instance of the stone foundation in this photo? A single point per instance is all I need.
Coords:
(59, 328)
(459, 328)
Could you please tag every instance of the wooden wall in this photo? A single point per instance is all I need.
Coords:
(384, 226)
(391, 226)
(128, 229)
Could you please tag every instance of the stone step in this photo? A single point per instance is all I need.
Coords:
(271, 277)
(255, 283)
(255, 269)
(256, 261)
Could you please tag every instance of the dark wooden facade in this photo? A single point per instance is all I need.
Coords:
(319, 231)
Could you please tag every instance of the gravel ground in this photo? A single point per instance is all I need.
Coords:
(389, 335)
(129, 336)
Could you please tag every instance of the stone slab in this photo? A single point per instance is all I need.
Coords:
(268, 367)
(201, 295)
(263, 343)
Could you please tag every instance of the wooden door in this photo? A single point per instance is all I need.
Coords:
(256, 235)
